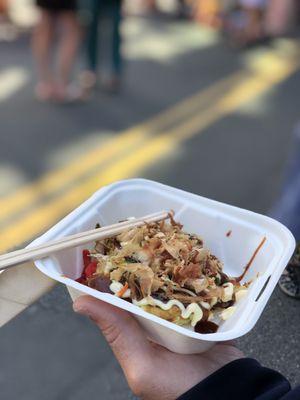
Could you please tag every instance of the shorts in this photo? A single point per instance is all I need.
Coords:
(57, 5)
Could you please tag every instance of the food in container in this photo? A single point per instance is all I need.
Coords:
(208, 218)
(165, 271)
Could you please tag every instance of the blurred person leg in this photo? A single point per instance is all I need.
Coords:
(55, 85)
(208, 12)
(246, 26)
(280, 16)
(148, 7)
(114, 13)
(254, 27)
(287, 211)
(101, 10)
(91, 42)
(3, 7)
(42, 42)
(68, 46)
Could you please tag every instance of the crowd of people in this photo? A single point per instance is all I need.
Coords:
(246, 22)
(76, 26)
(243, 22)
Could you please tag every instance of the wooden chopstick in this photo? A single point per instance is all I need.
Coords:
(35, 253)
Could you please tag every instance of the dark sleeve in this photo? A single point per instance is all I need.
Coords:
(243, 379)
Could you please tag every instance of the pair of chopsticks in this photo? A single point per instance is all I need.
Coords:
(36, 253)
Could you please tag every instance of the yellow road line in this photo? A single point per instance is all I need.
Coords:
(257, 83)
(268, 71)
(125, 141)
(38, 220)
(55, 181)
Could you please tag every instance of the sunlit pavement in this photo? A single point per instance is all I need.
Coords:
(193, 114)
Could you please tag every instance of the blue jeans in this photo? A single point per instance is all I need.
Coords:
(287, 208)
(111, 9)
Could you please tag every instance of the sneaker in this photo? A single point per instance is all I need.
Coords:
(289, 281)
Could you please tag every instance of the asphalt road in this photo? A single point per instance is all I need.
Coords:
(48, 352)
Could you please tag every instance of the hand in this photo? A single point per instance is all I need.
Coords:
(152, 371)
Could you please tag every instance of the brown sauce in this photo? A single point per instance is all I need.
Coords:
(206, 327)
(239, 278)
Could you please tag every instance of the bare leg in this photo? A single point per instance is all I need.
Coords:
(254, 28)
(42, 41)
(280, 16)
(69, 42)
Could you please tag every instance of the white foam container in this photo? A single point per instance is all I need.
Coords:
(208, 218)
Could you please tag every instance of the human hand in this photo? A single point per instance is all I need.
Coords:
(152, 371)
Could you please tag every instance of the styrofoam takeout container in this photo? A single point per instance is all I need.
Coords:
(208, 218)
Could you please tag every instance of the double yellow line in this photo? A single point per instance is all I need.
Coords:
(30, 210)
(122, 143)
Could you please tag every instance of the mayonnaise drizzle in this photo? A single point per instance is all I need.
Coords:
(192, 310)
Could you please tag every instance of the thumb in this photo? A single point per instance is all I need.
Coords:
(122, 332)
